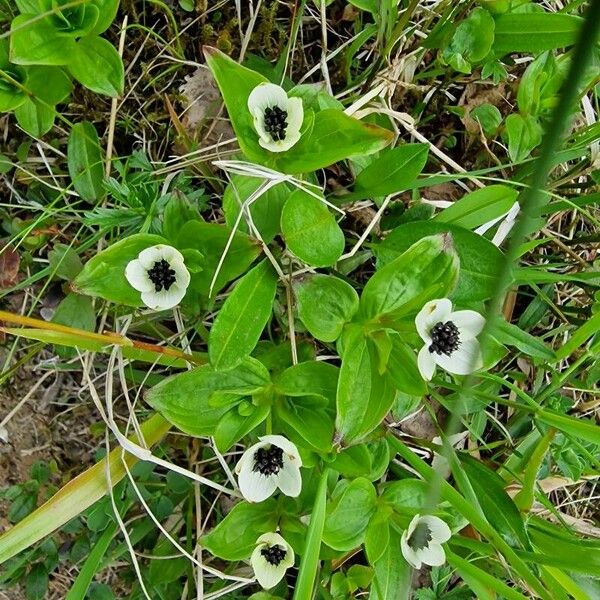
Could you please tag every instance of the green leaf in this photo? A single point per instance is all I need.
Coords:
(393, 171)
(241, 320)
(96, 64)
(584, 429)
(189, 400)
(36, 582)
(402, 368)
(392, 579)
(234, 425)
(348, 514)
(107, 12)
(540, 85)
(484, 584)
(471, 42)
(511, 335)
(377, 536)
(488, 116)
(479, 207)
(76, 311)
(37, 42)
(11, 96)
(35, 117)
(310, 378)
(363, 396)
(406, 494)
(325, 304)
(234, 538)
(104, 274)
(534, 32)
(265, 212)
(50, 85)
(334, 136)
(426, 270)
(211, 239)
(497, 505)
(64, 262)
(311, 422)
(178, 211)
(480, 260)
(354, 384)
(310, 230)
(85, 161)
(524, 134)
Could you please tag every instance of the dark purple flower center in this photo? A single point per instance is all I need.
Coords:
(273, 554)
(162, 275)
(444, 338)
(276, 122)
(268, 461)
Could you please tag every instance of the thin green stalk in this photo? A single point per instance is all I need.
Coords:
(310, 559)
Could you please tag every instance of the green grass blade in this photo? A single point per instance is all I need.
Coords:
(91, 565)
(310, 559)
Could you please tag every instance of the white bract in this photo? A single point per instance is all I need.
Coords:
(160, 274)
(450, 339)
(422, 541)
(271, 558)
(277, 118)
(273, 462)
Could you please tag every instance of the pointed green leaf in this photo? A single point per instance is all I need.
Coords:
(243, 317)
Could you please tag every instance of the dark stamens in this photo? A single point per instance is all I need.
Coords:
(268, 461)
(275, 122)
(420, 537)
(161, 275)
(273, 554)
(444, 338)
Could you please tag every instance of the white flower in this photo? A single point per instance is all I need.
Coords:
(450, 339)
(421, 541)
(272, 463)
(271, 558)
(277, 118)
(161, 275)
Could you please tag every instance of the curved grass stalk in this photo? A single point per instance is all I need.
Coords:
(77, 495)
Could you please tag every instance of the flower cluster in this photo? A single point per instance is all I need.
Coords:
(273, 462)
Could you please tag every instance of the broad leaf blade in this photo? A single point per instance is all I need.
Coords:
(243, 317)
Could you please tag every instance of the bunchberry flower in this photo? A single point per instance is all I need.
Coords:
(421, 541)
(160, 274)
(271, 558)
(450, 339)
(273, 462)
(277, 118)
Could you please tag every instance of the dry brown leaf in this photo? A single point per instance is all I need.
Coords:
(9, 266)
(203, 113)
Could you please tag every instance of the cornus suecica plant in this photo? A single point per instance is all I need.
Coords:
(422, 541)
(450, 339)
(270, 464)
(318, 289)
(160, 274)
(277, 118)
(271, 558)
